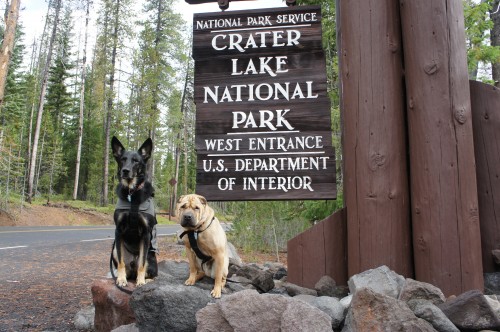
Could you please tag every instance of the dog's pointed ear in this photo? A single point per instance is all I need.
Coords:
(146, 149)
(117, 148)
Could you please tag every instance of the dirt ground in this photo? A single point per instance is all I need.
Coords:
(54, 215)
(47, 295)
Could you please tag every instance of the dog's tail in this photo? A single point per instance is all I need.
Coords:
(112, 270)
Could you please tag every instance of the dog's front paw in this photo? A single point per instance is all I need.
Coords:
(121, 282)
(190, 281)
(140, 282)
(216, 292)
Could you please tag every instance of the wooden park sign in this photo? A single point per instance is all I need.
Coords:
(263, 126)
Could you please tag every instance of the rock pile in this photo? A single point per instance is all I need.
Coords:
(258, 298)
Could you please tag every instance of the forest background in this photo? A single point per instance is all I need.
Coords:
(127, 71)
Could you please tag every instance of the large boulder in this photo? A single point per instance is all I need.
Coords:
(261, 279)
(111, 306)
(471, 311)
(166, 304)
(372, 311)
(250, 311)
(381, 280)
(431, 313)
(161, 306)
(418, 290)
(492, 283)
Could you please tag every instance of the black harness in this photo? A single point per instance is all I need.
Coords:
(134, 208)
(193, 241)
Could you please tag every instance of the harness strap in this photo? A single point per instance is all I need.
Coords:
(193, 241)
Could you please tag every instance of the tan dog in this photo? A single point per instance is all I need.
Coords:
(207, 255)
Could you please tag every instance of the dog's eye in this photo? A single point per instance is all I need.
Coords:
(196, 208)
(135, 160)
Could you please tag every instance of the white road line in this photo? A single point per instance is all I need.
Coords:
(13, 247)
(92, 240)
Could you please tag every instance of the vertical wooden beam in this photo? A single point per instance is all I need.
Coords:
(446, 237)
(374, 136)
(485, 101)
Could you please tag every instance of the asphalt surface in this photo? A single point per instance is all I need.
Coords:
(17, 238)
(46, 273)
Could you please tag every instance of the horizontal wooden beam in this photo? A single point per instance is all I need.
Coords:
(224, 4)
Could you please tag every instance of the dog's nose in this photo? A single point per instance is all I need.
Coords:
(187, 220)
(125, 172)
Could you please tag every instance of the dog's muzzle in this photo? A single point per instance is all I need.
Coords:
(188, 220)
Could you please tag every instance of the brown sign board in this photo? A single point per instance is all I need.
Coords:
(263, 125)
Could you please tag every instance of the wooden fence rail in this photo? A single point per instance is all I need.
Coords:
(319, 251)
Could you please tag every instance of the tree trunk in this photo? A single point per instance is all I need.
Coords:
(109, 110)
(41, 100)
(445, 218)
(8, 45)
(495, 39)
(82, 104)
(374, 141)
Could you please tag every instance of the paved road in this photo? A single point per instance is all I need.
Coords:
(16, 238)
(46, 273)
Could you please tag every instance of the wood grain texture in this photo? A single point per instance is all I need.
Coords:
(485, 102)
(319, 251)
(445, 219)
(274, 76)
(374, 142)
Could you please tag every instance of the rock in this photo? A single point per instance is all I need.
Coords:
(373, 311)
(163, 306)
(278, 270)
(211, 319)
(261, 279)
(381, 280)
(126, 328)
(329, 305)
(325, 286)
(304, 318)
(332, 307)
(84, 319)
(494, 303)
(111, 306)
(496, 256)
(178, 270)
(413, 290)
(309, 299)
(471, 311)
(346, 301)
(294, 290)
(492, 283)
(234, 258)
(261, 312)
(431, 313)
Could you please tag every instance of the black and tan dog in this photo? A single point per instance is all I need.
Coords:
(134, 253)
(205, 242)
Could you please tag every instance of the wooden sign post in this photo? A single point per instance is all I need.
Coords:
(263, 126)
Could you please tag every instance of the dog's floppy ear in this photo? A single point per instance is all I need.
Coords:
(117, 148)
(202, 199)
(146, 149)
(180, 199)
